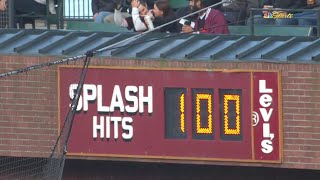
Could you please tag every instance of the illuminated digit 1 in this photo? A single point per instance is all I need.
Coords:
(175, 113)
(227, 130)
(201, 130)
(182, 119)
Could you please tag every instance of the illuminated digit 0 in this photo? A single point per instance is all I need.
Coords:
(227, 130)
(202, 130)
(182, 119)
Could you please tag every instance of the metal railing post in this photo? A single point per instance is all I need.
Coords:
(61, 13)
(251, 22)
(11, 12)
(318, 23)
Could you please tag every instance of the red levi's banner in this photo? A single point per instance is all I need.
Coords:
(266, 117)
(176, 114)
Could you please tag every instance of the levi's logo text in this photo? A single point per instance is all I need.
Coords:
(179, 114)
(266, 113)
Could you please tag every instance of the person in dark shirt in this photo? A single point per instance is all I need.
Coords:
(33, 6)
(290, 4)
(162, 14)
(190, 20)
(237, 11)
(25, 8)
(211, 21)
(101, 9)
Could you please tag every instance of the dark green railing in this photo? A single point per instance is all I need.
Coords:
(255, 11)
(77, 10)
(56, 19)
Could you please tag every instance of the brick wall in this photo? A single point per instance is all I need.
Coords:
(28, 106)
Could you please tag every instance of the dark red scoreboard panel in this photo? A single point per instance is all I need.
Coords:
(187, 114)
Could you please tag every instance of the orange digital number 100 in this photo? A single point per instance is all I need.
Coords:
(203, 121)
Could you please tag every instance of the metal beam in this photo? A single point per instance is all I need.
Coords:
(132, 43)
(154, 47)
(177, 48)
(229, 48)
(211, 43)
(14, 38)
(112, 40)
(31, 43)
(58, 43)
(88, 40)
(316, 58)
(295, 55)
(256, 47)
(271, 53)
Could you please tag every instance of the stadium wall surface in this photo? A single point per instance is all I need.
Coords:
(29, 106)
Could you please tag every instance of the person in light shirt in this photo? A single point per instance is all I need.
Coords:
(137, 21)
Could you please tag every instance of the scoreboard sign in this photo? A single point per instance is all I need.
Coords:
(176, 114)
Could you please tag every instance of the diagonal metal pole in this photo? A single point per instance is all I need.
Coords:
(72, 113)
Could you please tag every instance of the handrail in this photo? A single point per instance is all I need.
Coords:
(286, 10)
